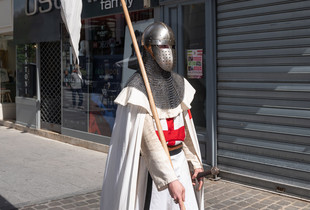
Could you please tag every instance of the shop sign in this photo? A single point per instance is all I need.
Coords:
(36, 21)
(95, 8)
(33, 7)
(110, 4)
(27, 77)
(26, 70)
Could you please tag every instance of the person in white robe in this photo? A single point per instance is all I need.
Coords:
(138, 172)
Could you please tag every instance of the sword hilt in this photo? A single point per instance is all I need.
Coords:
(214, 171)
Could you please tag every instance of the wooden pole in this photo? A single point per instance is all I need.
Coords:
(146, 81)
(147, 86)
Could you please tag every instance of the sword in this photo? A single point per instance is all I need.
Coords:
(214, 171)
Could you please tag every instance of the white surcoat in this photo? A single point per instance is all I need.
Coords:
(125, 177)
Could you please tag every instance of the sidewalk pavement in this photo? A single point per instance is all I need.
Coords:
(38, 173)
(34, 169)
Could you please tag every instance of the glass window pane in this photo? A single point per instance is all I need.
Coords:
(75, 90)
(194, 58)
(104, 54)
(7, 70)
(106, 41)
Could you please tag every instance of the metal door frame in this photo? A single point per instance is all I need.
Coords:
(38, 60)
(210, 68)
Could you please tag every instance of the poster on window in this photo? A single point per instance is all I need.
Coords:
(194, 63)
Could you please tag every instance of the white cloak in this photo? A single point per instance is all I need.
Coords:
(125, 177)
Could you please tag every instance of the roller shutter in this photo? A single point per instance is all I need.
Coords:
(263, 58)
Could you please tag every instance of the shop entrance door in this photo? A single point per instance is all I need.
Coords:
(50, 85)
(188, 24)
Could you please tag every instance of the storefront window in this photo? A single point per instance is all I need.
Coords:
(104, 51)
(75, 90)
(26, 70)
(7, 71)
(194, 58)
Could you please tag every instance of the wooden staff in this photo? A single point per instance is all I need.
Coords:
(148, 88)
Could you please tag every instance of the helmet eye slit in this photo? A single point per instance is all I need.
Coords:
(163, 46)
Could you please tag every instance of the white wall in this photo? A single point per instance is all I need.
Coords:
(6, 16)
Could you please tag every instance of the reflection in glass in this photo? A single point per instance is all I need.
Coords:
(194, 42)
(7, 70)
(106, 63)
(74, 90)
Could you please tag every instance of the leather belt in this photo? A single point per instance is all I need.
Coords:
(173, 150)
(174, 147)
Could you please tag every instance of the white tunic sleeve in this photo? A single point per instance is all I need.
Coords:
(155, 157)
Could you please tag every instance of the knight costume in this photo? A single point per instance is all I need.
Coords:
(136, 153)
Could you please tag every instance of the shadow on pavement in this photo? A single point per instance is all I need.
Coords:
(6, 205)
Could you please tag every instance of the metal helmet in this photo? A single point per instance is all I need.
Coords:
(161, 39)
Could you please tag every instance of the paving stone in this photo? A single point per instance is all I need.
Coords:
(243, 204)
(79, 198)
(258, 205)
(95, 205)
(249, 208)
(268, 201)
(41, 207)
(246, 195)
(290, 208)
(68, 206)
(237, 198)
(283, 203)
(218, 206)
(91, 196)
(260, 196)
(54, 203)
(251, 200)
(82, 208)
(239, 190)
(274, 206)
(219, 195)
(91, 201)
(67, 201)
(214, 200)
(229, 194)
(55, 208)
(233, 207)
(299, 204)
(81, 203)
(228, 202)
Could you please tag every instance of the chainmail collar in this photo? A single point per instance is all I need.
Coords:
(167, 87)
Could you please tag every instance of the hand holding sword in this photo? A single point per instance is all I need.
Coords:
(199, 174)
(214, 171)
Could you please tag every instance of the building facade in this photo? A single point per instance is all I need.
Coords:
(7, 61)
(248, 61)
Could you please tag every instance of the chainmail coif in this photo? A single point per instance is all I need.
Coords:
(167, 87)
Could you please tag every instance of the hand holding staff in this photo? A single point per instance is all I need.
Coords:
(148, 88)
